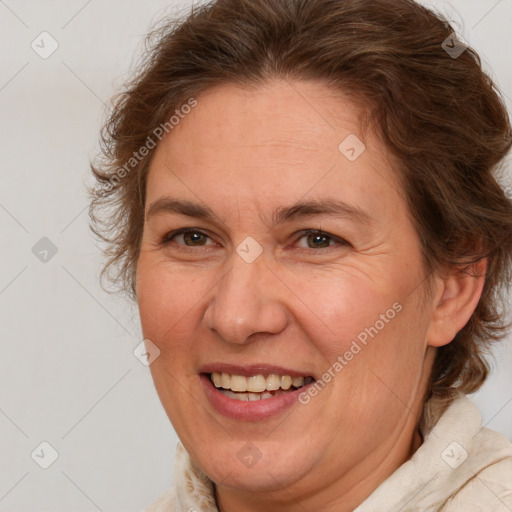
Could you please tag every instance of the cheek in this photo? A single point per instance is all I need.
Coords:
(166, 300)
(332, 307)
(372, 325)
(341, 308)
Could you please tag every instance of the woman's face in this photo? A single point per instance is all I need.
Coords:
(300, 261)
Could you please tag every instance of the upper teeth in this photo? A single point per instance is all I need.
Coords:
(256, 383)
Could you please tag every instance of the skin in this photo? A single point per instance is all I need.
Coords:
(244, 152)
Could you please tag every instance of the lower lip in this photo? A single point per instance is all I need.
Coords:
(249, 411)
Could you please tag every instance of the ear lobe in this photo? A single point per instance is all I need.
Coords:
(459, 293)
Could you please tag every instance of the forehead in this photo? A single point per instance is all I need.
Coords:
(277, 114)
(272, 143)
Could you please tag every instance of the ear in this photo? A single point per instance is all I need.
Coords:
(456, 298)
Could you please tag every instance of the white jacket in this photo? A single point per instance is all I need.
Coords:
(460, 467)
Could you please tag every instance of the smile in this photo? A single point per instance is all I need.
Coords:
(256, 387)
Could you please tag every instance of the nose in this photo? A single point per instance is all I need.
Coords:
(245, 302)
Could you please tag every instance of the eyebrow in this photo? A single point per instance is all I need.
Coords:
(301, 209)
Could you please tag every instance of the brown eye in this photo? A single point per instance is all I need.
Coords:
(194, 238)
(187, 237)
(315, 239)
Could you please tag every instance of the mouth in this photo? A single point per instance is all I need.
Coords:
(256, 387)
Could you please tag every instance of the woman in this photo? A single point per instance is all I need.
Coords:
(300, 195)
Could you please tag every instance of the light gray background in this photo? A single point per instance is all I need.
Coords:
(67, 372)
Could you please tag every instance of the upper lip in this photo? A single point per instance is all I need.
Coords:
(252, 369)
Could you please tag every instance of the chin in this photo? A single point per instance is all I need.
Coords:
(244, 467)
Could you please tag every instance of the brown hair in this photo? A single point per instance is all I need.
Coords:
(439, 114)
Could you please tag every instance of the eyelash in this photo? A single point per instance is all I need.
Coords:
(169, 237)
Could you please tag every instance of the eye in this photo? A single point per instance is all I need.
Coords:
(313, 239)
(316, 239)
(188, 237)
